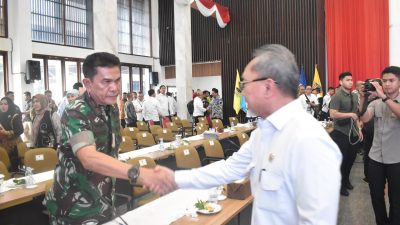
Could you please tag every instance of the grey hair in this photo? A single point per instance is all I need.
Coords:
(278, 63)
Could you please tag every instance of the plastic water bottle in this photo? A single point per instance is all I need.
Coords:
(29, 177)
(162, 148)
(232, 126)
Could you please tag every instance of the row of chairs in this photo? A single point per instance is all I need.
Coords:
(40, 159)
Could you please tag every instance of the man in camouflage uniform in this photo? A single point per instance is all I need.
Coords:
(84, 178)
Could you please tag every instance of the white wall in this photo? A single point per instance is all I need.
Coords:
(394, 32)
(202, 83)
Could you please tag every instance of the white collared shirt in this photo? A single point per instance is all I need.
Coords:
(163, 102)
(325, 102)
(198, 107)
(294, 169)
(138, 108)
(312, 98)
(151, 109)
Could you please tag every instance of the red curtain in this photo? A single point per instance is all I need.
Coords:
(357, 33)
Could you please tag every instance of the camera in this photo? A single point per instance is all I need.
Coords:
(370, 87)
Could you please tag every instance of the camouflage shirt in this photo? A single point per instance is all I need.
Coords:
(79, 196)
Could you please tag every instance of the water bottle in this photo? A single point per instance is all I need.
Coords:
(29, 177)
(162, 148)
(232, 126)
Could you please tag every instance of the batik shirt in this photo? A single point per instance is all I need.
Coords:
(79, 196)
(216, 108)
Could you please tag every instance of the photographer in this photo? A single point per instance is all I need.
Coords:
(384, 163)
(347, 131)
(308, 100)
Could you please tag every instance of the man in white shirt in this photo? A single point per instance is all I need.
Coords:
(138, 104)
(172, 104)
(151, 109)
(163, 101)
(308, 100)
(198, 107)
(325, 104)
(292, 162)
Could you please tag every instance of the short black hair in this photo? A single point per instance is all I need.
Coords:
(215, 90)
(99, 59)
(48, 91)
(344, 74)
(331, 88)
(27, 93)
(77, 85)
(392, 69)
(9, 93)
(162, 86)
(151, 92)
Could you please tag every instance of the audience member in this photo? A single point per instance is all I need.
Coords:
(10, 130)
(151, 109)
(347, 127)
(216, 105)
(130, 113)
(46, 125)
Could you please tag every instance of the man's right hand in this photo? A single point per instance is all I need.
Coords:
(354, 116)
(160, 180)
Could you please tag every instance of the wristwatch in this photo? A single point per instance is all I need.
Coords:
(133, 174)
(385, 99)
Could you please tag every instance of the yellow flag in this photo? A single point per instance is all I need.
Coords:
(316, 81)
(237, 94)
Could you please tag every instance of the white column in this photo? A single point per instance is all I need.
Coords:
(394, 32)
(19, 31)
(105, 23)
(183, 55)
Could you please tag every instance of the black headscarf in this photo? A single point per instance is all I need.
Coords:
(5, 117)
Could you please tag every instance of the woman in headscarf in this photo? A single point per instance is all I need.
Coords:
(46, 125)
(10, 130)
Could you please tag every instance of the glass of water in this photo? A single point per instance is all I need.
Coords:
(213, 195)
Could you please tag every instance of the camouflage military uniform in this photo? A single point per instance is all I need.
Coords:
(79, 196)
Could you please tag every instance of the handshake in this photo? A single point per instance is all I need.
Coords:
(160, 180)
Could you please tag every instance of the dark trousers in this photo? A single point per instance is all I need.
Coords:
(367, 144)
(123, 123)
(379, 173)
(349, 154)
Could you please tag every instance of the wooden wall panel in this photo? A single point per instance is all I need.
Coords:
(297, 24)
(198, 70)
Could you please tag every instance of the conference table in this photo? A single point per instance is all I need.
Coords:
(177, 208)
(18, 195)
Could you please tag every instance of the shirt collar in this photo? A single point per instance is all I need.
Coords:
(280, 117)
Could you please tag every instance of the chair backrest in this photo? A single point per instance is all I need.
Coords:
(22, 148)
(213, 148)
(203, 120)
(130, 132)
(243, 137)
(142, 126)
(233, 120)
(4, 157)
(145, 139)
(154, 129)
(4, 171)
(174, 127)
(200, 129)
(205, 125)
(166, 134)
(187, 126)
(126, 145)
(41, 159)
(217, 123)
(142, 161)
(177, 120)
(187, 157)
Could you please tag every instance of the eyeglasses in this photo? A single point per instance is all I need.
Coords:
(3, 103)
(243, 83)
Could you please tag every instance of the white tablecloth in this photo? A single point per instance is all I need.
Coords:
(164, 210)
